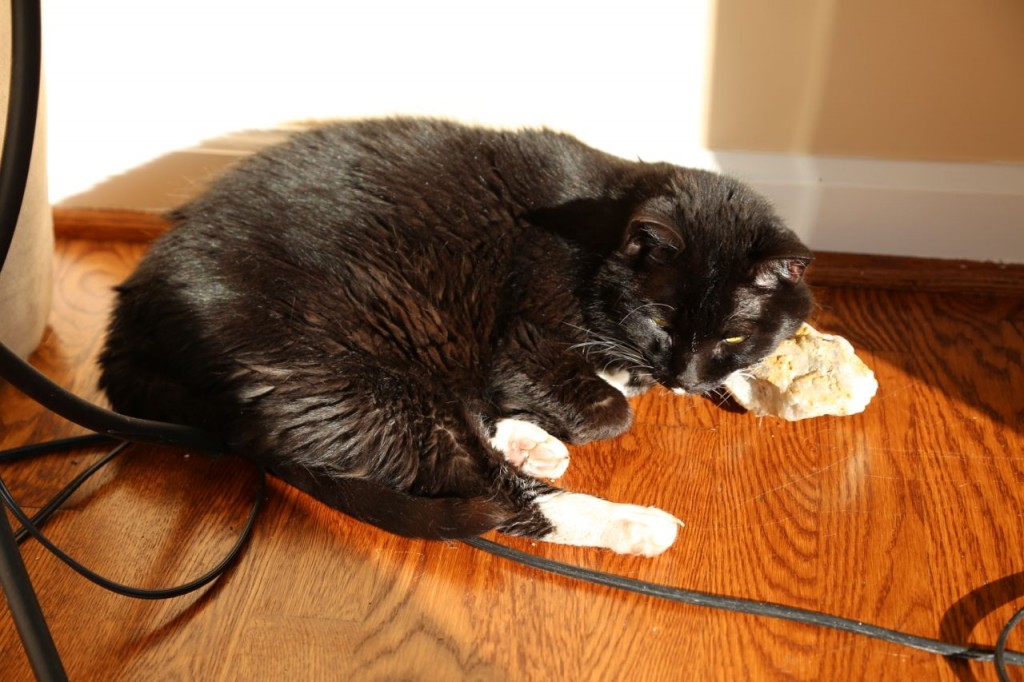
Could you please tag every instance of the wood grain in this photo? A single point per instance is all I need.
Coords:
(107, 224)
(918, 274)
(933, 275)
(908, 516)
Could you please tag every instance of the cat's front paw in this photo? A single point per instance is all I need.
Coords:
(531, 448)
(589, 521)
(647, 531)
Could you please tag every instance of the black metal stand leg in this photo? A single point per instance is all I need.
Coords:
(16, 154)
(28, 617)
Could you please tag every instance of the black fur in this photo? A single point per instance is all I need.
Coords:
(357, 308)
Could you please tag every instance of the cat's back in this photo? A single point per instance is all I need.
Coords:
(410, 188)
(392, 238)
(426, 207)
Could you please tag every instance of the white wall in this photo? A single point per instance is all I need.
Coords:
(147, 98)
(130, 81)
(971, 211)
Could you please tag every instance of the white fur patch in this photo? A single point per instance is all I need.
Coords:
(618, 379)
(589, 521)
(679, 391)
(531, 448)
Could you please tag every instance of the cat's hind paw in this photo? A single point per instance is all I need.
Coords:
(531, 448)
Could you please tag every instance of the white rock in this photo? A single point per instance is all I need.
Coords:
(809, 375)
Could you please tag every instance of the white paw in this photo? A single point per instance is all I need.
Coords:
(641, 530)
(531, 448)
(592, 522)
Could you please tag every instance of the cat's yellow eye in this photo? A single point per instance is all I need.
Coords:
(661, 322)
(733, 340)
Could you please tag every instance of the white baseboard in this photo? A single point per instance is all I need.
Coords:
(971, 211)
(967, 211)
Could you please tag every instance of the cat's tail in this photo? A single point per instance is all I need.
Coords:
(435, 518)
(552, 515)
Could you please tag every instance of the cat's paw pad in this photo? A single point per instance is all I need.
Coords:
(531, 448)
(647, 531)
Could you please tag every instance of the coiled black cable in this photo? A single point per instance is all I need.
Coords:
(40, 518)
(31, 526)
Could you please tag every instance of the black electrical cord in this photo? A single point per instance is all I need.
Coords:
(57, 445)
(46, 511)
(767, 609)
(119, 588)
(1002, 653)
(34, 384)
(999, 655)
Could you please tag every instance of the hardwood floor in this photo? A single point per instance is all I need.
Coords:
(910, 516)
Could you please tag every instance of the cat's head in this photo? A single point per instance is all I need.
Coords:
(706, 281)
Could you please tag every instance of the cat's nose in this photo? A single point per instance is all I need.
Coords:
(688, 379)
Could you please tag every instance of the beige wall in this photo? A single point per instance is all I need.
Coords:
(893, 79)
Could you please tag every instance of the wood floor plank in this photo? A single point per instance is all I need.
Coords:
(908, 516)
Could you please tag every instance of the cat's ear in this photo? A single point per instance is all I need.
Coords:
(773, 271)
(651, 236)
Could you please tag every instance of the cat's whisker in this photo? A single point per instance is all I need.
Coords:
(643, 306)
(720, 395)
(612, 347)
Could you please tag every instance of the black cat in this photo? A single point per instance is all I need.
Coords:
(406, 317)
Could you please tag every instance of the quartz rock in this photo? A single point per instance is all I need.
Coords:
(809, 375)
